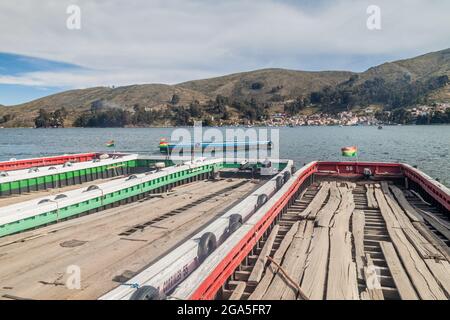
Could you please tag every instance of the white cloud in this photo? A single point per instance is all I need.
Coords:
(139, 41)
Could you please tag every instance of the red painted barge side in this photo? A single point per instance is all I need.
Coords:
(47, 161)
(214, 281)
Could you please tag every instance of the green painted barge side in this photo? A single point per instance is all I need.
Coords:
(66, 178)
(106, 201)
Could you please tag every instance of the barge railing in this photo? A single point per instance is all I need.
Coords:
(47, 161)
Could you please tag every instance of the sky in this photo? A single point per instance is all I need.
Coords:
(171, 41)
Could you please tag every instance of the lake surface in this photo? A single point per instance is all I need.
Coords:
(428, 147)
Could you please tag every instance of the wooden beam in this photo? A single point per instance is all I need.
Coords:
(315, 272)
(371, 202)
(325, 215)
(294, 259)
(373, 286)
(299, 264)
(425, 249)
(314, 206)
(441, 271)
(358, 223)
(271, 270)
(342, 281)
(401, 280)
(422, 279)
(412, 214)
(433, 239)
(238, 291)
(258, 270)
(437, 223)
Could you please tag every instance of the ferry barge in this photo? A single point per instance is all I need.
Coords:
(207, 229)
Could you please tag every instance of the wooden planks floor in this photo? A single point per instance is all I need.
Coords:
(34, 264)
(350, 241)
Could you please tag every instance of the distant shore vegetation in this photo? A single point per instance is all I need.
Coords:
(395, 99)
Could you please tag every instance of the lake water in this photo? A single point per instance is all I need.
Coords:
(428, 147)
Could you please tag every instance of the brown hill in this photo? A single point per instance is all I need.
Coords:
(263, 85)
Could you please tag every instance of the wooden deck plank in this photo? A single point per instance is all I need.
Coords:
(401, 280)
(258, 270)
(342, 280)
(238, 291)
(412, 214)
(422, 279)
(358, 223)
(441, 271)
(315, 272)
(325, 215)
(271, 269)
(434, 239)
(425, 249)
(291, 293)
(293, 263)
(316, 204)
(437, 223)
(279, 282)
(371, 202)
(373, 286)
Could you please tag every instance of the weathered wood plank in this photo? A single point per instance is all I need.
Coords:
(434, 239)
(314, 206)
(279, 282)
(441, 271)
(299, 264)
(281, 288)
(342, 280)
(314, 275)
(437, 223)
(316, 267)
(425, 249)
(358, 224)
(422, 279)
(373, 286)
(412, 214)
(238, 291)
(325, 215)
(371, 202)
(271, 269)
(258, 269)
(401, 280)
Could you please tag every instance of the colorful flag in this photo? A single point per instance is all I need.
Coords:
(349, 151)
(163, 146)
(111, 144)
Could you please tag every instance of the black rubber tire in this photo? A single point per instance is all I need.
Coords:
(207, 244)
(147, 293)
(286, 176)
(235, 223)
(279, 182)
(93, 187)
(262, 198)
(60, 196)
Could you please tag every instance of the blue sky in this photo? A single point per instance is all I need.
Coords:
(171, 41)
(15, 65)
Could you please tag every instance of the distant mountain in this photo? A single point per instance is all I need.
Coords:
(268, 86)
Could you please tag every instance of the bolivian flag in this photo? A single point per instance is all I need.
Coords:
(110, 144)
(349, 151)
(163, 145)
